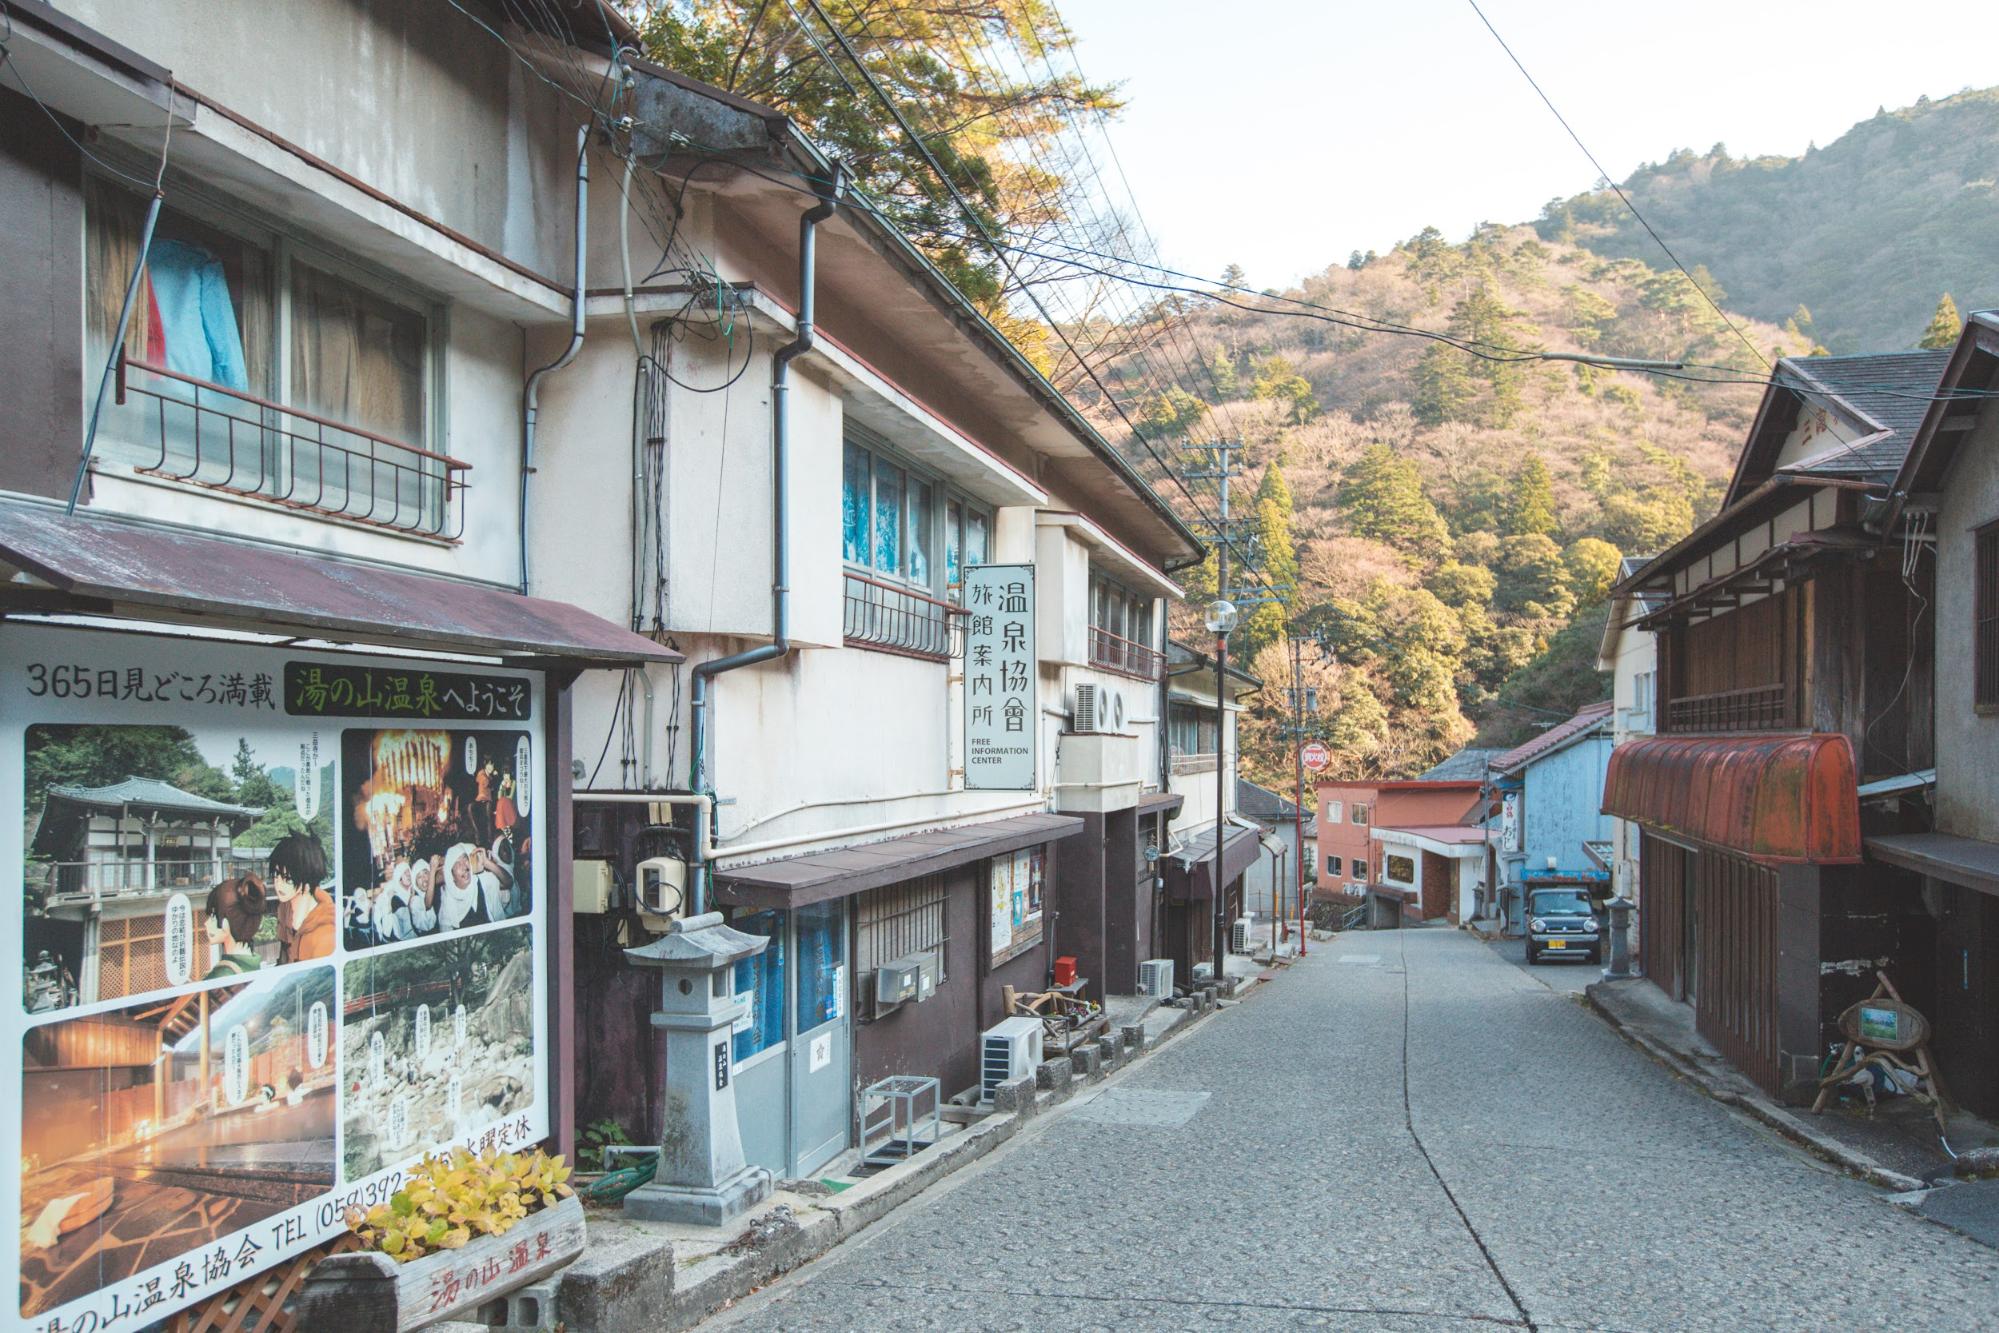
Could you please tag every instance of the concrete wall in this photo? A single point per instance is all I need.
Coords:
(1967, 744)
(1637, 654)
(1561, 808)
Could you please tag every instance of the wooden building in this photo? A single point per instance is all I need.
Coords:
(1794, 671)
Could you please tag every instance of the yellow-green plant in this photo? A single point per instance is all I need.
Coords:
(448, 1200)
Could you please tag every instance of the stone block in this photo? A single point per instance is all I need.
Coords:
(1015, 1096)
(1133, 1036)
(1053, 1075)
(1111, 1050)
(1227, 988)
(529, 1309)
(1088, 1061)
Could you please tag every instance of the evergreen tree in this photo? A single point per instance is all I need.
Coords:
(1221, 367)
(1945, 326)
(1445, 389)
(1278, 556)
(1592, 565)
(1382, 497)
(1278, 380)
(1531, 507)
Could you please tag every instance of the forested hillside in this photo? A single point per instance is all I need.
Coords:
(1451, 521)
(1864, 234)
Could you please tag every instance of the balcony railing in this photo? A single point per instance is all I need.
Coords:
(1115, 653)
(1758, 708)
(232, 441)
(897, 619)
(93, 881)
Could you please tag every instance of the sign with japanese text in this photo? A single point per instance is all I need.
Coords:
(254, 884)
(1001, 723)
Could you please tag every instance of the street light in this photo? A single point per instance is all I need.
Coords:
(1221, 618)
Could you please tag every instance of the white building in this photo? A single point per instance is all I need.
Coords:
(1631, 655)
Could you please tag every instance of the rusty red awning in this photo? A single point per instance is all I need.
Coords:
(1774, 799)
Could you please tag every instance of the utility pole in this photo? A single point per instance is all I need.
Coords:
(1298, 758)
(1221, 618)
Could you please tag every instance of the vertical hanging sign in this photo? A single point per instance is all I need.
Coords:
(1000, 722)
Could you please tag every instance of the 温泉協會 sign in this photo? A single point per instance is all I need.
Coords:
(1000, 722)
(280, 934)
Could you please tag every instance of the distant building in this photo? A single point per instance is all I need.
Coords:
(1549, 828)
(1272, 883)
(1631, 655)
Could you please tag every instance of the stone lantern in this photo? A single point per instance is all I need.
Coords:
(702, 1177)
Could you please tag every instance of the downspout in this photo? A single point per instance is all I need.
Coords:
(531, 408)
(780, 477)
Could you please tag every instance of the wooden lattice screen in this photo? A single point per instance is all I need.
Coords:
(258, 1304)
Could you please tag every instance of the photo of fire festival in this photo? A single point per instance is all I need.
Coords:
(154, 1130)
(439, 838)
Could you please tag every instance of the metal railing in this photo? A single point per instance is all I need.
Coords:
(895, 618)
(1113, 652)
(211, 435)
(1758, 708)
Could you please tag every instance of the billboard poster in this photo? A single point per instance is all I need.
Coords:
(1001, 726)
(280, 933)
(1017, 880)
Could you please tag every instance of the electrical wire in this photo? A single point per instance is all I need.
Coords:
(1605, 175)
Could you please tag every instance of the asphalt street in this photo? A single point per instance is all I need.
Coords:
(1406, 1131)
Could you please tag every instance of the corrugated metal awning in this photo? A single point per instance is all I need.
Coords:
(1774, 799)
(95, 564)
(817, 876)
(1190, 868)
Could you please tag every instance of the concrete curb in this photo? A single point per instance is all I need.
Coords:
(1820, 1145)
(630, 1280)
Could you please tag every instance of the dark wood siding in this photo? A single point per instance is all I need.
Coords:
(1740, 671)
(1662, 873)
(1735, 1006)
(41, 337)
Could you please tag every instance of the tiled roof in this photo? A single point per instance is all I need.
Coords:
(1467, 765)
(1893, 388)
(1630, 565)
(150, 792)
(1264, 805)
(1554, 738)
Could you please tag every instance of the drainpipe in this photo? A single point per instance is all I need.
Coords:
(780, 477)
(532, 407)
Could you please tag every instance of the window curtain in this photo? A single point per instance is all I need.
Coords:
(356, 358)
(760, 979)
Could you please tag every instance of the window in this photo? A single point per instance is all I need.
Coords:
(967, 541)
(1191, 729)
(1398, 869)
(898, 921)
(1335, 811)
(1985, 610)
(1121, 629)
(888, 516)
(759, 983)
(1359, 813)
(256, 364)
(1640, 714)
(1332, 866)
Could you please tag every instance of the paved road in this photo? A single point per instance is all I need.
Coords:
(1405, 1132)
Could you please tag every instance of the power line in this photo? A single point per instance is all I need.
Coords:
(1605, 175)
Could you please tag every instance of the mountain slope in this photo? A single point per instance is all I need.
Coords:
(1866, 232)
(1449, 516)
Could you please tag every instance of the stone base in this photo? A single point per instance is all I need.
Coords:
(703, 1207)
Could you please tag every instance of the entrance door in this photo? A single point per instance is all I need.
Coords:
(821, 1056)
(1967, 1030)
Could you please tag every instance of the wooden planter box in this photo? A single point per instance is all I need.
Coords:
(366, 1291)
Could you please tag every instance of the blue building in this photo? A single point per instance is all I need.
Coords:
(1551, 827)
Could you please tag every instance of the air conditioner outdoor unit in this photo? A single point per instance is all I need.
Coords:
(1239, 935)
(1008, 1050)
(928, 967)
(1088, 713)
(1155, 978)
(898, 982)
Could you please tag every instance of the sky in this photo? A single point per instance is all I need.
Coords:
(1282, 135)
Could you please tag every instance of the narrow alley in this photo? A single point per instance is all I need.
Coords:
(1406, 1131)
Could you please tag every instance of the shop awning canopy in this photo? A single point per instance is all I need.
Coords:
(1774, 799)
(1190, 868)
(93, 564)
(802, 880)
(1967, 861)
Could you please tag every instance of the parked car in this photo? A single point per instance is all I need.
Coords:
(1563, 921)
